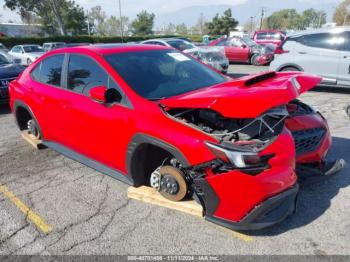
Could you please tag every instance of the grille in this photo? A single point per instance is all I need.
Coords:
(308, 140)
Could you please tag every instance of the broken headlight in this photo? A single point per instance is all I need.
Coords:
(239, 156)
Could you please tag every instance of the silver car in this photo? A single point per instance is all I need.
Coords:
(26, 53)
(325, 52)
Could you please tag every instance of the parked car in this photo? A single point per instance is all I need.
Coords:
(212, 56)
(243, 50)
(176, 43)
(167, 121)
(8, 72)
(325, 52)
(275, 37)
(27, 53)
(3, 48)
(53, 45)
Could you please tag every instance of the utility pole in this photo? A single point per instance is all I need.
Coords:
(251, 24)
(262, 16)
(121, 22)
(88, 21)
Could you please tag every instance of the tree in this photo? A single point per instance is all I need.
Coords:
(285, 19)
(55, 15)
(97, 17)
(342, 15)
(181, 29)
(222, 25)
(143, 24)
(170, 29)
(313, 18)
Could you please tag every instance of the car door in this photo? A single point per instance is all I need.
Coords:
(343, 78)
(45, 85)
(98, 131)
(236, 50)
(319, 54)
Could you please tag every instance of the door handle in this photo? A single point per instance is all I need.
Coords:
(302, 53)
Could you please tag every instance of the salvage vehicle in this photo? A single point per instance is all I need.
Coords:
(150, 115)
(212, 56)
(177, 43)
(9, 70)
(274, 37)
(244, 50)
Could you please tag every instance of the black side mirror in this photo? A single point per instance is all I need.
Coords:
(112, 95)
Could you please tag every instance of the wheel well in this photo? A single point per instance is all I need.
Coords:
(145, 160)
(289, 66)
(22, 117)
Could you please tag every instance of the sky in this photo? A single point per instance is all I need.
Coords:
(132, 7)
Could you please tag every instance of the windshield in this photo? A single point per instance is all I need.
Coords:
(181, 45)
(249, 41)
(157, 74)
(32, 48)
(4, 60)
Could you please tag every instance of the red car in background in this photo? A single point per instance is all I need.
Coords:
(150, 115)
(275, 37)
(244, 50)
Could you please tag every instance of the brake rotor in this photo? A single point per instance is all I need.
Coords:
(172, 185)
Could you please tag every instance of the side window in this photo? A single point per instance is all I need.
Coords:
(49, 71)
(84, 73)
(324, 40)
(17, 49)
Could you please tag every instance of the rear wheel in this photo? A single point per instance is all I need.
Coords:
(254, 60)
(290, 68)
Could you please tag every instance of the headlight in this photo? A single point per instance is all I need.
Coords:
(239, 157)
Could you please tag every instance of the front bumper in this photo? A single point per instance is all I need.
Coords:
(268, 213)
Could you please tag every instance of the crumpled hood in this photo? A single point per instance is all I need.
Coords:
(247, 97)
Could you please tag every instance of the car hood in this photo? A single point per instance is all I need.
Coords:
(10, 71)
(246, 97)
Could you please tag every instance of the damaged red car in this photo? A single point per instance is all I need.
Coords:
(150, 115)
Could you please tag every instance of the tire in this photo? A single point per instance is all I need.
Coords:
(254, 60)
(29, 61)
(290, 68)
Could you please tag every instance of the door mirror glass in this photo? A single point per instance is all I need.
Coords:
(98, 94)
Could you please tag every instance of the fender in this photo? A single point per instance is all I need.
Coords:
(19, 103)
(290, 65)
(142, 139)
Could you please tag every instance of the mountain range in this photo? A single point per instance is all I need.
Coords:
(241, 12)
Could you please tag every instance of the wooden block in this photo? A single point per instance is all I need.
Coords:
(152, 196)
(32, 141)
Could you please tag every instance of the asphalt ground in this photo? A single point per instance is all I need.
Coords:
(51, 205)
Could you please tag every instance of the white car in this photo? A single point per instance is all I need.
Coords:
(325, 52)
(26, 53)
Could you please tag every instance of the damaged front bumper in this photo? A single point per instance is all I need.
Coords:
(270, 212)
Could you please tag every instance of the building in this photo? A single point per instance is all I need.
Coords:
(21, 30)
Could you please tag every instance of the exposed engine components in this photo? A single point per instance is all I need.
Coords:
(170, 182)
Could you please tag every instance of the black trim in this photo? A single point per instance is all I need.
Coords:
(89, 162)
(290, 65)
(272, 211)
(142, 139)
(206, 195)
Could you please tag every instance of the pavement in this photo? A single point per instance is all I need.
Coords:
(51, 205)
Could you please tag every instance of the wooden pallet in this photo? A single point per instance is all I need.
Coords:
(150, 195)
(32, 141)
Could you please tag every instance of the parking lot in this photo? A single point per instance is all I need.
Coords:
(50, 204)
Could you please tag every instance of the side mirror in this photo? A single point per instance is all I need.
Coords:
(103, 95)
(244, 46)
(98, 93)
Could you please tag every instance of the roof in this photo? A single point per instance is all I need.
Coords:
(105, 49)
(332, 30)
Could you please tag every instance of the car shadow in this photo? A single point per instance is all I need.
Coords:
(5, 109)
(315, 198)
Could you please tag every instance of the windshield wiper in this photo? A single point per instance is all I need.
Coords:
(155, 98)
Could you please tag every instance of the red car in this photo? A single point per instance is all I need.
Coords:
(275, 37)
(150, 115)
(244, 50)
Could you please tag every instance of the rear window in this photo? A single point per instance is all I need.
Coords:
(269, 36)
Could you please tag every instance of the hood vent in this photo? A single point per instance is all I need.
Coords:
(259, 78)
